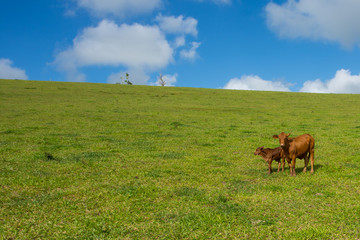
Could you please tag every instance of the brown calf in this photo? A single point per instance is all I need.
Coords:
(301, 147)
(269, 155)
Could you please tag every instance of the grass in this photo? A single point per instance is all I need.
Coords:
(142, 162)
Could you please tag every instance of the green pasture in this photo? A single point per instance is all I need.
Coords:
(101, 161)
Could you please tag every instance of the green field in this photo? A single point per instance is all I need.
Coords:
(101, 161)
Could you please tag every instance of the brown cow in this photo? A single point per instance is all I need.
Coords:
(301, 147)
(269, 155)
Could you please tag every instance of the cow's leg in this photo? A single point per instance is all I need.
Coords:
(312, 160)
(293, 173)
(306, 162)
(290, 166)
(283, 164)
(289, 162)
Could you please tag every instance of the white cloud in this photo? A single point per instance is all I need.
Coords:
(253, 82)
(190, 53)
(136, 76)
(7, 71)
(335, 20)
(180, 41)
(119, 7)
(66, 62)
(134, 46)
(178, 25)
(343, 82)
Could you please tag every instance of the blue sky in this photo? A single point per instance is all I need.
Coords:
(278, 45)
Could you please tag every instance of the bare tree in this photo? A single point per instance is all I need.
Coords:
(161, 80)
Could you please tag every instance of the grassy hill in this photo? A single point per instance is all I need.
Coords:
(82, 160)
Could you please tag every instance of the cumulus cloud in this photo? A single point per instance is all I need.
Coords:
(335, 20)
(181, 26)
(143, 48)
(178, 25)
(343, 82)
(190, 53)
(179, 41)
(7, 71)
(134, 46)
(253, 82)
(118, 7)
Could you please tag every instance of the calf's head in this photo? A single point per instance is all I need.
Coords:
(258, 150)
(283, 139)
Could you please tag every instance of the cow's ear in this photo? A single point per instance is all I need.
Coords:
(287, 135)
(275, 136)
(262, 147)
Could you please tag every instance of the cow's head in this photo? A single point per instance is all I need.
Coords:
(258, 150)
(283, 139)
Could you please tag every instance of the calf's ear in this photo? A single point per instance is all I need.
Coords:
(275, 136)
(288, 134)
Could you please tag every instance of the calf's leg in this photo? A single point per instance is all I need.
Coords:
(269, 163)
(279, 163)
